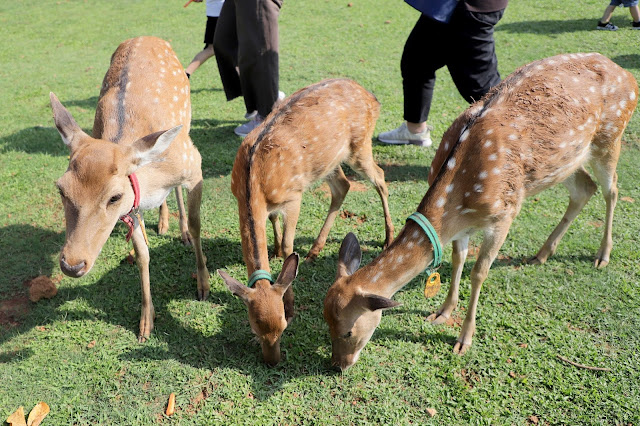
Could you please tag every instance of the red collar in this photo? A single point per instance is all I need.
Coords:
(127, 219)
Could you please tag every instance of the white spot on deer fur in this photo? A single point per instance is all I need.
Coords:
(184, 157)
(478, 187)
(464, 135)
(449, 188)
(497, 204)
(446, 146)
(175, 99)
(495, 171)
(623, 103)
(492, 157)
(592, 89)
(431, 170)
(489, 131)
(376, 277)
(539, 67)
(466, 194)
(581, 127)
(572, 132)
(156, 100)
(487, 144)
(562, 145)
(458, 207)
(618, 113)
(513, 137)
(619, 79)
(440, 202)
(482, 175)
(410, 245)
(465, 211)
(632, 95)
(451, 163)
(464, 171)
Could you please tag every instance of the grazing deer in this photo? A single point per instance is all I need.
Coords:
(537, 128)
(306, 138)
(131, 160)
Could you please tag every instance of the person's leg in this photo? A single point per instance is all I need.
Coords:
(635, 13)
(606, 16)
(200, 59)
(258, 60)
(225, 46)
(474, 65)
(418, 70)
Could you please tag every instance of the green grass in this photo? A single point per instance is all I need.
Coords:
(204, 351)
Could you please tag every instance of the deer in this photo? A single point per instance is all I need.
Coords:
(305, 139)
(537, 128)
(138, 152)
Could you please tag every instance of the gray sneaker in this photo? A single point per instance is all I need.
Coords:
(252, 114)
(246, 128)
(606, 27)
(402, 136)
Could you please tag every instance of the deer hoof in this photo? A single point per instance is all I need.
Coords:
(186, 239)
(600, 263)
(461, 348)
(203, 294)
(534, 261)
(311, 257)
(437, 318)
(163, 227)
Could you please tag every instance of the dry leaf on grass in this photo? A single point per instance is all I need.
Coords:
(432, 412)
(17, 418)
(171, 405)
(38, 414)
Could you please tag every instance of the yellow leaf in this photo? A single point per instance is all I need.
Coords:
(38, 414)
(17, 418)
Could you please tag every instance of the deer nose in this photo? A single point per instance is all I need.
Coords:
(74, 271)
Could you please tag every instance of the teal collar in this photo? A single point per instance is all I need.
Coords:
(423, 222)
(260, 274)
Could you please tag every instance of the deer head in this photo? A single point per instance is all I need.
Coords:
(351, 313)
(95, 189)
(265, 306)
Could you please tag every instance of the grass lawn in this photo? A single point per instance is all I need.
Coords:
(79, 351)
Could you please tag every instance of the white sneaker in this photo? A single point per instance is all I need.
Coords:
(402, 136)
(252, 114)
(246, 128)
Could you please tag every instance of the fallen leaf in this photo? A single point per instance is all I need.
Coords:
(523, 345)
(534, 419)
(38, 414)
(91, 344)
(628, 199)
(17, 418)
(432, 412)
(171, 405)
(512, 374)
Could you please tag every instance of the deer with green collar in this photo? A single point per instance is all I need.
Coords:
(139, 151)
(305, 139)
(537, 128)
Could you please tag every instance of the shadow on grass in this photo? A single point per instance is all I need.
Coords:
(628, 61)
(549, 26)
(115, 299)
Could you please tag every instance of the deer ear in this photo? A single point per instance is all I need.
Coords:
(235, 286)
(350, 256)
(288, 273)
(149, 148)
(66, 125)
(374, 302)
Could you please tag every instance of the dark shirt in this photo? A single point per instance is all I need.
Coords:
(485, 5)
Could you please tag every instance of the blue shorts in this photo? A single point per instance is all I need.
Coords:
(625, 3)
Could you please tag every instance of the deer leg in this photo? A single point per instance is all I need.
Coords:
(581, 187)
(163, 218)
(290, 213)
(608, 178)
(375, 174)
(491, 243)
(194, 200)
(339, 185)
(184, 227)
(277, 234)
(142, 259)
(459, 255)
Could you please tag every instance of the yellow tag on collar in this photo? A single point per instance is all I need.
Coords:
(432, 285)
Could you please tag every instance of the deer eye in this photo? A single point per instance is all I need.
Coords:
(346, 336)
(60, 191)
(115, 199)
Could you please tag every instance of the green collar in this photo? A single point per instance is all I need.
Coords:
(423, 222)
(260, 274)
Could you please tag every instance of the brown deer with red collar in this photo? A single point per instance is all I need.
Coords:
(537, 128)
(304, 140)
(139, 151)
